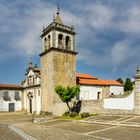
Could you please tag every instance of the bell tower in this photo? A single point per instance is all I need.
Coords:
(58, 63)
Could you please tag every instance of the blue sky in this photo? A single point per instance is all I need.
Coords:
(108, 35)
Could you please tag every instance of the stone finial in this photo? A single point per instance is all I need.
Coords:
(138, 72)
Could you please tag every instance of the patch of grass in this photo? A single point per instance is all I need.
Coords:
(70, 118)
(93, 114)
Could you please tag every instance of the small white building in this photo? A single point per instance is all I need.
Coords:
(92, 88)
(10, 97)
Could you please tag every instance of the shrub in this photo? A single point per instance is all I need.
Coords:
(73, 114)
(66, 114)
(84, 114)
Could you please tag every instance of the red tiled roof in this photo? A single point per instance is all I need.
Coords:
(10, 86)
(99, 82)
(85, 76)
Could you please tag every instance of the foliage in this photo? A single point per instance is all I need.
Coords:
(67, 94)
(69, 118)
(128, 86)
(66, 114)
(120, 80)
(93, 114)
(85, 114)
(73, 114)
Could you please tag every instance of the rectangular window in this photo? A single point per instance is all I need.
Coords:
(28, 82)
(6, 96)
(38, 92)
(33, 80)
(17, 96)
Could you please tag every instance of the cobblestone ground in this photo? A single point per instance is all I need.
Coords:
(103, 127)
(9, 119)
(6, 134)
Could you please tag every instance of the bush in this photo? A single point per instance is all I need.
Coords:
(73, 114)
(84, 114)
(66, 114)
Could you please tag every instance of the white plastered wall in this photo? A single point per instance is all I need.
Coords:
(117, 90)
(89, 92)
(4, 105)
(126, 103)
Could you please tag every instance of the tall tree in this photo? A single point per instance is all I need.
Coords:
(120, 80)
(128, 86)
(67, 94)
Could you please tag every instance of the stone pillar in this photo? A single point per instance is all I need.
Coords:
(137, 92)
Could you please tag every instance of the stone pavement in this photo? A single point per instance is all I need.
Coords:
(6, 134)
(7, 119)
(102, 127)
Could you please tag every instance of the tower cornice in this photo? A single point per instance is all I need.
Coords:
(59, 27)
(59, 50)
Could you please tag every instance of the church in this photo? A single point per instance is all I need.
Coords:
(36, 92)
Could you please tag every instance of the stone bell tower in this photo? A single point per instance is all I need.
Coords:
(58, 63)
(137, 92)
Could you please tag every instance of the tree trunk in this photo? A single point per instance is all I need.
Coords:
(68, 107)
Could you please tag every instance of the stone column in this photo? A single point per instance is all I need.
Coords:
(137, 92)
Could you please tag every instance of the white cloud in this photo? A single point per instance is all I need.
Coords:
(100, 16)
(131, 22)
(120, 52)
(27, 27)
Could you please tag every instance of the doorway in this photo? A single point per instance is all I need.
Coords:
(11, 107)
(30, 104)
(98, 95)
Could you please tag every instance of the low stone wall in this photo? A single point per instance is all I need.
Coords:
(92, 106)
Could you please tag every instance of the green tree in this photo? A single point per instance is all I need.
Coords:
(120, 80)
(128, 86)
(67, 94)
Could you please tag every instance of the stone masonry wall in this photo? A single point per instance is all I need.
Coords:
(92, 106)
(57, 68)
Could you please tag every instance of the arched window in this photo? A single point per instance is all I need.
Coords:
(45, 43)
(60, 43)
(49, 43)
(68, 43)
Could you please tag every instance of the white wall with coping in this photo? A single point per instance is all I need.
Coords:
(125, 103)
(117, 90)
(89, 92)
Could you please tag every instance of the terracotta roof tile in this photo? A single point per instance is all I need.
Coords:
(10, 86)
(99, 82)
(85, 76)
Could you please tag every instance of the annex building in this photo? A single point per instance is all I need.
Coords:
(58, 67)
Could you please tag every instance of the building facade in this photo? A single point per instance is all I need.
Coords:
(58, 67)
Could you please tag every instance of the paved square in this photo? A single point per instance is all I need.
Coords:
(102, 127)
